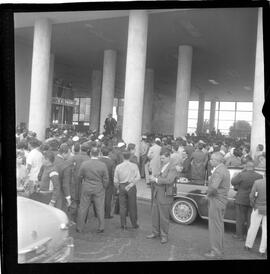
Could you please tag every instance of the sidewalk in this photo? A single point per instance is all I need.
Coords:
(143, 191)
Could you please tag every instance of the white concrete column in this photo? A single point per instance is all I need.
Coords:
(182, 90)
(108, 82)
(50, 90)
(95, 99)
(40, 77)
(135, 75)
(212, 115)
(148, 101)
(258, 121)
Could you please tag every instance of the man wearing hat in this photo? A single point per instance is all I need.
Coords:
(110, 125)
(64, 168)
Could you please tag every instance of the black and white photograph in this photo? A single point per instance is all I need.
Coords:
(139, 134)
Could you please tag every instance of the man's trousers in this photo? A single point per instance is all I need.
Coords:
(128, 204)
(216, 212)
(255, 220)
(108, 199)
(160, 218)
(87, 196)
(242, 216)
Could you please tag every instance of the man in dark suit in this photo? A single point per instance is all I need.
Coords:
(243, 182)
(110, 125)
(64, 168)
(110, 189)
(94, 175)
(217, 193)
(77, 160)
(162, 193)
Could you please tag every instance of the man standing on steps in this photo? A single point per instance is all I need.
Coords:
(110, 125)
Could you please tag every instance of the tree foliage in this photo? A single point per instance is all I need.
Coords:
(240, 129)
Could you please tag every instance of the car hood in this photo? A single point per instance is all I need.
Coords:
(38, 221)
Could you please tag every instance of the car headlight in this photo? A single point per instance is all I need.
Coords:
(64, 226)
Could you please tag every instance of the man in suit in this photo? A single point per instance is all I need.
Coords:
(162, 193)
(64, 168)
(94, 175)
(110, 125)
(77, 160)
(217, 193)
(244, 181)
(110, 189)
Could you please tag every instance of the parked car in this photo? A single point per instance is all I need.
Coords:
(190, 200)
(43, 235)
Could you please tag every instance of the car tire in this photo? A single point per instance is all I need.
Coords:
(183, 211)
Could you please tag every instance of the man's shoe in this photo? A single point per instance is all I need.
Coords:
(108, 217)
(100, 230)
(151, 236)
(262, 254)
(164, 240)
(212, 255)
(247, 248)
(124, 227)
(136, 226)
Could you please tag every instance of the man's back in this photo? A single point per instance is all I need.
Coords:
(95, 173)
(244, 182)
(110, 166)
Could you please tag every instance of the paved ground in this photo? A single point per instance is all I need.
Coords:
(185, 242)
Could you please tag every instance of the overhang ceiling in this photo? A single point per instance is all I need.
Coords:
(223, 41)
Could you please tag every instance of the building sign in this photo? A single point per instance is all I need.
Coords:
(63, 101)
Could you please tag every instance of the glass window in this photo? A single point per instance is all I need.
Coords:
(244, 106)
(225, 124)
(192, 123)
(227, 105)
(207, 105)
(206, 115)
(191, 130)
(193, 114)
(226, 115)
(246, 116)
(193, 105)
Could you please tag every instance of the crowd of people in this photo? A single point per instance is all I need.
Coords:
(72, 170)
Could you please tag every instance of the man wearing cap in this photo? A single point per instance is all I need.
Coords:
(110, 124)
(64, 168)
(94, 177)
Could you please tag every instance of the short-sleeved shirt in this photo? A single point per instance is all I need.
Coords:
(35, 159)
(126, 172)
